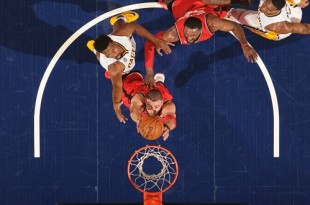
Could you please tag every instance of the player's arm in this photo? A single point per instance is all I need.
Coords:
(168, 112)
(286, 27)
(136, 108)
(115, 70)
(149, 48)
(160, 44)
(217, 24)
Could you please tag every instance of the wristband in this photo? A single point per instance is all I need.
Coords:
(244, 44)
(167, 127)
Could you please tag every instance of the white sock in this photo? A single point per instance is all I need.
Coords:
(121, 17)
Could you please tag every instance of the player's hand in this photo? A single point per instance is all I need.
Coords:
(149, 78)
(137, 126)
(166, 133)
(118, 112)
(250, 53)
(163, 45)
(303, 3)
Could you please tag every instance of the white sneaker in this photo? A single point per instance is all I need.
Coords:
(159, 77)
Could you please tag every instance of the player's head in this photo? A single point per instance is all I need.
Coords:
(153, 102)
(192, 29)
(105, 45)
(279, 4)
(270, 7)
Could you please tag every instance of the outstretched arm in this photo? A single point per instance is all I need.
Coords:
(128, 29)
(136, 108)
(115, 70)
(286, 27)
(149, 48)
(217, 24)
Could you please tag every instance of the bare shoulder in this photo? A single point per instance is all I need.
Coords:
(168, 108)
(137, 99)
(171, 35)
(213, 22)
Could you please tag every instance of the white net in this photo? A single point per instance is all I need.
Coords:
(152, 169)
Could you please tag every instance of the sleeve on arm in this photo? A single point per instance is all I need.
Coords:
(149, 49)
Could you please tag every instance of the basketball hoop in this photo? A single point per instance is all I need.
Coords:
(152, 170)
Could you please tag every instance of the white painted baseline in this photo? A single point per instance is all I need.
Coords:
(95, 21)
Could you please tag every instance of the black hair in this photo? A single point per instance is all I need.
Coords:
(102, 42)
(193, 23)
(279, 4)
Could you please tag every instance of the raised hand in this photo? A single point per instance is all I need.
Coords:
(249, 53)
(163, 45)
(118, 112)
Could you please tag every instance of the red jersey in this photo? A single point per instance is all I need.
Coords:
(201, 15)
(134, 84)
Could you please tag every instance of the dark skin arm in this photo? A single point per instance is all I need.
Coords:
(217, 24)
(127, 29)
(286, 27)
(115, 70)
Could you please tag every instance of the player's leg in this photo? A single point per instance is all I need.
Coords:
(125, 17)
(244, 17)
(296, 14)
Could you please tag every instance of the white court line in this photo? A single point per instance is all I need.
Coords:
(61, 50)
(275, 105)
(95, 21)
(275, 108)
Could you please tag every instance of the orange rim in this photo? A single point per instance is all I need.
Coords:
(160, 148)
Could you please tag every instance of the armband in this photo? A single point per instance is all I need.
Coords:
(170, 117)
(167, 127)
(244, 44)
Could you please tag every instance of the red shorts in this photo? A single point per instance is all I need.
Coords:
(133, 83)
(181, 7)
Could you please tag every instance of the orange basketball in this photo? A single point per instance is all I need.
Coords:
(151, 128)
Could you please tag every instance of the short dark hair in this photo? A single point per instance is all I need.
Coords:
(279, 4)
(193, 23)
(102, 42)
(154, 95)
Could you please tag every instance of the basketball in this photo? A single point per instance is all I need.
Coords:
(151, 128)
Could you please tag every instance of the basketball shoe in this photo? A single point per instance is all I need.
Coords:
(159, 77)
(128, 16)
(90, 45)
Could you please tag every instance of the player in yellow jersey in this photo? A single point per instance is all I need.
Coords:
(274, 19)
(116, 52)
